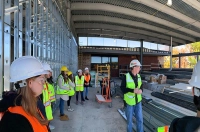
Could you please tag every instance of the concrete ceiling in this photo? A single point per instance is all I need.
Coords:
(149, 20)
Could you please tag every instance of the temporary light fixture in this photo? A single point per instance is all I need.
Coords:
(169, 2)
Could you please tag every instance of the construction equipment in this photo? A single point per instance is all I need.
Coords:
(104, 97)
(102, 72)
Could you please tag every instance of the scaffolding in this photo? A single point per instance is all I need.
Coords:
(102, 72)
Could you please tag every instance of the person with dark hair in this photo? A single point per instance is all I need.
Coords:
(131, 86)
(188, 123)
(72, 92)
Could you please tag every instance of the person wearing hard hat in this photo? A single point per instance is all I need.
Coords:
(131, 86)
(86, 83)
(19, 109)
(188, 123)
(47, 96)
(79, 82)
(63, 91)
(71, 91)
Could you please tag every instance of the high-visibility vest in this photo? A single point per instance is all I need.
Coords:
(79, 83)
(51, 92)
(37, 127)
(87, 78)
(130, 97)
(47, 102)
(163, 129)
(60, 91)
(71, 91)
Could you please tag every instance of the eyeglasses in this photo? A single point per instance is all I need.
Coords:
(40, 80)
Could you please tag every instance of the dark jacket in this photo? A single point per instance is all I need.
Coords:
(87, 82)
(185, 124)
(11, 122)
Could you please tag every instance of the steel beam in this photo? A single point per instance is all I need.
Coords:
(165, 9)
(130, 12)
(141, 52)
(107, 19)
(84, 27)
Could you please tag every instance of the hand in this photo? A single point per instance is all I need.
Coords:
(135, 90)
(87, 83)
(139, 91)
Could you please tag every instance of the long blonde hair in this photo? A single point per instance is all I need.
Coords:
(29, 102)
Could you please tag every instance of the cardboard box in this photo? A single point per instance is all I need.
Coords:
(162, 77)
(153, 79)
(162, 81)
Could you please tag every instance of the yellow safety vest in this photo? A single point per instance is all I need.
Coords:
(130, 97)
(163, 129)
(51, 92)
(60, 91)
(71, 91)
(79, 83)
(47, 102)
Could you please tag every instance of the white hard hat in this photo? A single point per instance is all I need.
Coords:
(47, 67)
(79, 70)
(195, 79)
(86, 68)
(135, 63)
(25, 67)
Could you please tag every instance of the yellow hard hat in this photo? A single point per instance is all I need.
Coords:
(69, 73)
(64, 68)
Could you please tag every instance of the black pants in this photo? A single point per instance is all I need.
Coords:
(77, 94)
(68, 101)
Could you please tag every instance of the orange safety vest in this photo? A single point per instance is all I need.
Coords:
(87, 78)
(34, 122)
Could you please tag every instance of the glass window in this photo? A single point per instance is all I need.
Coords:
(121, 43)
(163, 47)
(95, 41)
(133, 44)
(83, 41)
(114, 59)
(95, 59)
(105, 60)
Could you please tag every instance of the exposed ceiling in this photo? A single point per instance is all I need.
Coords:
(149, 20)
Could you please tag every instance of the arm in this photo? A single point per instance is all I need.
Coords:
(60, 84)
(71, 83)
(15, 123)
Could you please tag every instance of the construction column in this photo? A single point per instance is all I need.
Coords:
(141, 52)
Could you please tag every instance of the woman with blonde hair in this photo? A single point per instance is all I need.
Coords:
(19, 111)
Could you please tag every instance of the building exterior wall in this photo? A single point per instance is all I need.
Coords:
(84, 61)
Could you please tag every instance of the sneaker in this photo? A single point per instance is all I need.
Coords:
(86, 98)
(51, 127)
(64, 118)
(82, 102)
(76, 102)
(70, 109)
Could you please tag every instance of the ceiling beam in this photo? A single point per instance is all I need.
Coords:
(131, 36)
(194, 3)
(165, 9)
(125, 29)
(130, 12)
(100, 18)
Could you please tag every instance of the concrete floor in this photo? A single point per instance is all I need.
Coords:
(91, 117)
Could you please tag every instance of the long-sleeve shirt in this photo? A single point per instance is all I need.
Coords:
(123, 84)
(65, 87)
(87, 81)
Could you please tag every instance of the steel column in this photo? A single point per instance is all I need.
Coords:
(141, 53)
(171, 55)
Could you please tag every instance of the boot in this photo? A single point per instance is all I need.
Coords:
(86, 98)
(64, 118)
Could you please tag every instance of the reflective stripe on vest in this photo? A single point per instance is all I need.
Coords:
(60, 91)
(47, 102)
(163, 129)
(79, 83)
(37, 127)
(51, 92)
(130, 96)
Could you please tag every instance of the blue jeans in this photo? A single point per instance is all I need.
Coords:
(61, 106)
(86, 91)
(135, 110)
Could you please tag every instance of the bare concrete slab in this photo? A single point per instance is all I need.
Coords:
(91, 117)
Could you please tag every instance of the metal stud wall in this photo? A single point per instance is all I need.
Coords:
(36, 28)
